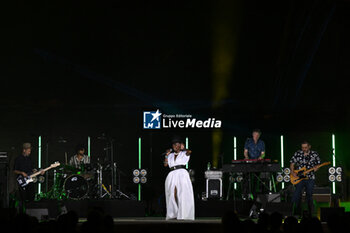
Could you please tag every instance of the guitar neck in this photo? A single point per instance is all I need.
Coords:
(38, 172)
(312, 169)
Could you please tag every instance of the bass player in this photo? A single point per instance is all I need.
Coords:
(23, 166)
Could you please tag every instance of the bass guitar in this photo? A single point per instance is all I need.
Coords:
(24, 181)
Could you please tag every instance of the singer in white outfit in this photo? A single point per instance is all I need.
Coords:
(178, 186)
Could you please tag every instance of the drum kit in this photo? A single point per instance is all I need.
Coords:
(86, 180)
(81, 183)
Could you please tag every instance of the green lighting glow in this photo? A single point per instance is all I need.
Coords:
(186, 148)
(39, 161)
(333, 158)
(282, 156)
(235, 155)
(139, 188)
(89, 146)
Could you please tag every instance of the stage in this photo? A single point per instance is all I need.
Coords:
(208, 209)
(131, 216)
(159, 224)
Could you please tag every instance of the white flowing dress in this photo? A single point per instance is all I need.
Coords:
(179, 178)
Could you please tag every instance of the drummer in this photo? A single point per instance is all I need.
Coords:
(80, 158)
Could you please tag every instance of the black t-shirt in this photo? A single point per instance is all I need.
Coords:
(23, 164)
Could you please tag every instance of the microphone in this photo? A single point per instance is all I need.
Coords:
(171, 150)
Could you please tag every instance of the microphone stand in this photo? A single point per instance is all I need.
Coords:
(112, 170)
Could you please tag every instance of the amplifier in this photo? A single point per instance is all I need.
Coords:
(3, 157)
(320, 194)
(4, 180)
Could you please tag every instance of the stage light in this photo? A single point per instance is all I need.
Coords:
(143, 172)
(339, 170)
(41, 179)
(232, 179)
(239, 178)
(234, 155)
(279, 178)
(282, 155)
(139, 186)
(143, 180)
(136, 172)
(335, 175)
(39, 160)
(338, 178)
(286, 178)
(331, 170)
(286, 170)
(89, 147)
(136, 180)
(334, 163)
(139, 176)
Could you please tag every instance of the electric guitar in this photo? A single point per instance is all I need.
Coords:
(301, 173)
(24, 181)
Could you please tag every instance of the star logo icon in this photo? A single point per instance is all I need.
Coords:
(152, 119)
(156, 115)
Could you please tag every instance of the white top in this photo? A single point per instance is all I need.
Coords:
(181, 159)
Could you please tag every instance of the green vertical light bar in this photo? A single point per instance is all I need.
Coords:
(39, 161)
(89, 147)
(282, 156)
(235, 155)
(186, 148)
(139, 188)
(333, 158)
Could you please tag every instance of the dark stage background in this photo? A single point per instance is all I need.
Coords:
(73, 69)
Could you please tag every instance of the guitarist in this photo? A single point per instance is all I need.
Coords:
(309, 159)
(23, 166)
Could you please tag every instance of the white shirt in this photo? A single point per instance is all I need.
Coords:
(181, 159)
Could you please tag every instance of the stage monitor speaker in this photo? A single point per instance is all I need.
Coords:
(266, 198)
(214, 188)
(329, 211)
(285, 208)
(40, 214)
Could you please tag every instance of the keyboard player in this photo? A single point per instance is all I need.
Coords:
(254, 148)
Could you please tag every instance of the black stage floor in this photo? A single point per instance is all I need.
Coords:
(130, 216)
(128, 208)
(159, 224)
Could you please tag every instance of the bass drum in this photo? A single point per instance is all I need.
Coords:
(76, 187)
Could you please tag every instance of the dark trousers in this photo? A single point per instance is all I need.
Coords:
(249, 184)
(296, 199)
(26, 195)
